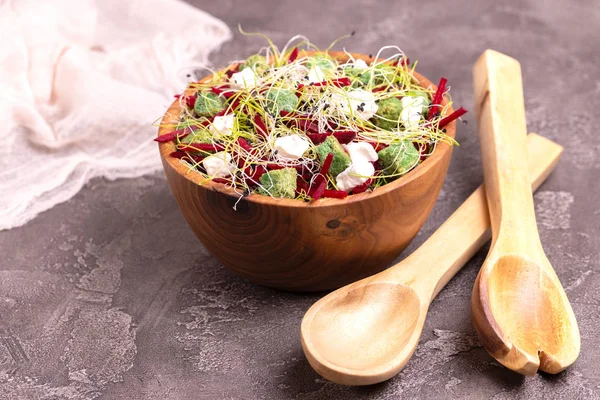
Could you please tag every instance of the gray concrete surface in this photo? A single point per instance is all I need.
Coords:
(111, 296)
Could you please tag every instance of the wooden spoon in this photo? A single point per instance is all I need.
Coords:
(520, 309)
(366, 332)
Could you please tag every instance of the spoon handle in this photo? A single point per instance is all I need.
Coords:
(468, 228)
(502, 132)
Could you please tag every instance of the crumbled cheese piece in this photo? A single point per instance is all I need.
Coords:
(356, 174)
(246, 78)
(315, 74)
(219, 165)
(222, 126)
(359, 102)
(298, 72)
(412, 107)
(361, 152)
(291, 146)
(360, 63)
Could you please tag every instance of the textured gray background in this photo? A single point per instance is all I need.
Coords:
(111, 295)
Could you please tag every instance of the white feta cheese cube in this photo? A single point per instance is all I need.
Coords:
(358, 102)
(316, 74)
(412, 107)
(360, 63)
(291, 146)
(219, 165)
(355, 175)
(360, 152)
(246, 78)
(222, 126)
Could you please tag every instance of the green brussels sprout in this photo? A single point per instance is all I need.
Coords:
(398, 158)
(281, 100)
(383, 73)
(198, 136)
(388, 113)
(323, 61)
(208, 104)
(279, 183)
(257, 63)
(341, 159)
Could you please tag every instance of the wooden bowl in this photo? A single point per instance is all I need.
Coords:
(298, 246)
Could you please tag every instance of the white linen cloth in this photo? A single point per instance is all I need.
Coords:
(81, 83)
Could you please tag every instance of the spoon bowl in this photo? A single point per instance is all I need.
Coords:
(358, 318)
(529, 331)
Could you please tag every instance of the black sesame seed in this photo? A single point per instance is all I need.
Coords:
(464, 121)
(370, 55)
(353, 33)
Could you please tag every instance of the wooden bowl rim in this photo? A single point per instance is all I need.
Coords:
(442, 149)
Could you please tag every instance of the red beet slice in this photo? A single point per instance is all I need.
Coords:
(167, 137)
(307, 125)
(326, 164)
(301, 186)
(362, 188)
(318, 192)
(222, 180)
(335, 194)
(261, 128)
(190, 101)
(437, 99)
(345, 137)
(456, 114)
(317, 138)
(259, 170)
(273, 167)
(201, 147)
(378, 146)
(178, 154)
(293, 55)
(244, 144)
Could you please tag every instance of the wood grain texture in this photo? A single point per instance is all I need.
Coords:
(299, 246)
(366, 332)
(520, 309)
